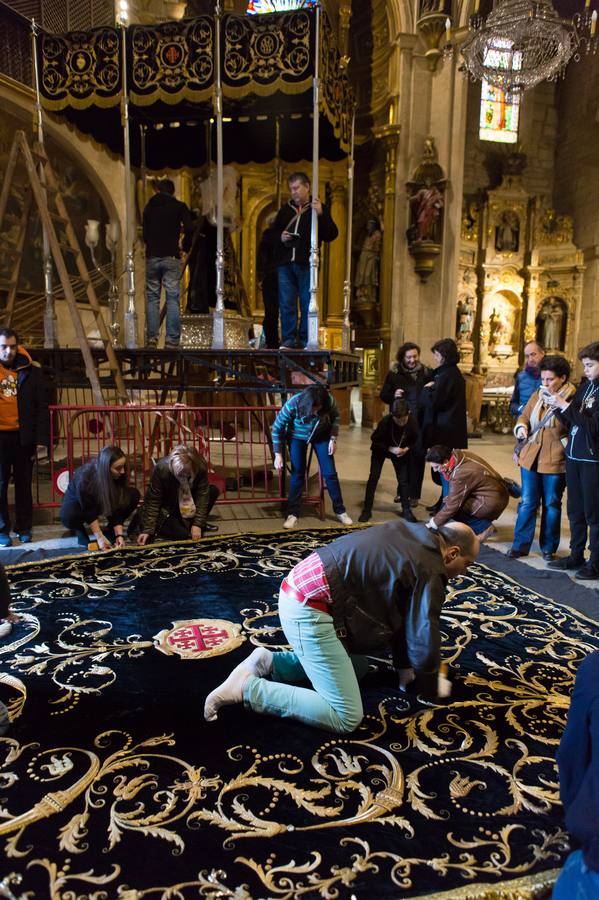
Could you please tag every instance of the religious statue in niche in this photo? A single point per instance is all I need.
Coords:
(500, 330)
(368, 267)
(425, 230)
(551, 324)
(426, 205)
(465, 320)
(507, 233)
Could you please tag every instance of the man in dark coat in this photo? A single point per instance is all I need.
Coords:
(164, 218)
(405, 381)
(293, 226)
(383, 586)
(266, 270)
(24, 427)
(578, 763)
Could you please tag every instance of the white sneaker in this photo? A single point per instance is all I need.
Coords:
(290, 522)
(5, 628)
(345, 519)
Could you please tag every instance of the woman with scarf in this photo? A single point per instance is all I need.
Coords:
(310, 417)
(405, 382)
(178, 498)
(100, 489)
(542, 461)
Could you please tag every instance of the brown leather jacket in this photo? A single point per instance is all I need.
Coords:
(474, 488)
(545, 453)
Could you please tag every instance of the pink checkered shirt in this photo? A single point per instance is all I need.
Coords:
(308, 579)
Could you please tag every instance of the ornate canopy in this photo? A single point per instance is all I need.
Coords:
(268, 66)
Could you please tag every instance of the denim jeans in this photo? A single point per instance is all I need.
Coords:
(547, 491)
(477, 525)
(576, 881)
(163, 270)
(297, 453)
(317, 656)
(294, 282)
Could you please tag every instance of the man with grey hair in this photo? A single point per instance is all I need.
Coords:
(369, 589)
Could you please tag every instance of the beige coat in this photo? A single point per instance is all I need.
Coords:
(545, 453)
(474, 488)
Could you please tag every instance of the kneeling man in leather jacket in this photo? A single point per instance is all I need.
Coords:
(380, 587)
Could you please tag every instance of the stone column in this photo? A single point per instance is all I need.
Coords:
(388, 135)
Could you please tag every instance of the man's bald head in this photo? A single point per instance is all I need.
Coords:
(461, 547)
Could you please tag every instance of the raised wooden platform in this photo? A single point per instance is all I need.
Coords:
(260, 371)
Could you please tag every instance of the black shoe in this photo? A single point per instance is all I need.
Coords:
(435, 507)
(567, 562)
(210, 527)
(588, 572)
(407, 515)
(548, 555)
(24, 537)
(516, 552)
(365, 516)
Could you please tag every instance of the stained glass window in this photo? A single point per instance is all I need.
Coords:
(255, 7)
(499, 114)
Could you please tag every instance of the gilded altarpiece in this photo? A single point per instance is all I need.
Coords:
(520, 279)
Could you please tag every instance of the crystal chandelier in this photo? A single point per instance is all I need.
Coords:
(523, 42)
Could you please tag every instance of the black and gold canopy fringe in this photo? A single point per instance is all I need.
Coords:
(267, 71)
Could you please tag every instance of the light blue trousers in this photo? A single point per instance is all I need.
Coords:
(318, 656)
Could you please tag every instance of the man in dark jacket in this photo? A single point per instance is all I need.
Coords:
(528, 379)
(578, 763)
(293, 226)
(405, 381)
(383, 586)
(163, 220)
(24, 426)
(394, 439)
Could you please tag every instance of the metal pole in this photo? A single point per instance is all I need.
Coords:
(278, 165)
(131, 334)
(346, 326)
(314, 254)
(50, 322)
(218, 325)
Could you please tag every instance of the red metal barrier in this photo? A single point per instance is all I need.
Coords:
(235, 442)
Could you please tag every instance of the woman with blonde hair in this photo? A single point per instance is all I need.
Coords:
(178, 498)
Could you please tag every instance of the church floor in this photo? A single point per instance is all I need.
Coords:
(353, 456)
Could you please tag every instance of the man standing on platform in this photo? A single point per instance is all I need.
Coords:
(24, 426)
(528, 380)
(163, 220)
(293, 225)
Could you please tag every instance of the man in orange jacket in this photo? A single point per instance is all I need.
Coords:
(24, 426)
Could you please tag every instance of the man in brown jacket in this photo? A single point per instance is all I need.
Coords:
(477, 494)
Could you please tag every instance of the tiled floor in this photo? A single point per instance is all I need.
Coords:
(353, 457)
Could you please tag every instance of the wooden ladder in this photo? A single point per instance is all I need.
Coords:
(43, 191)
